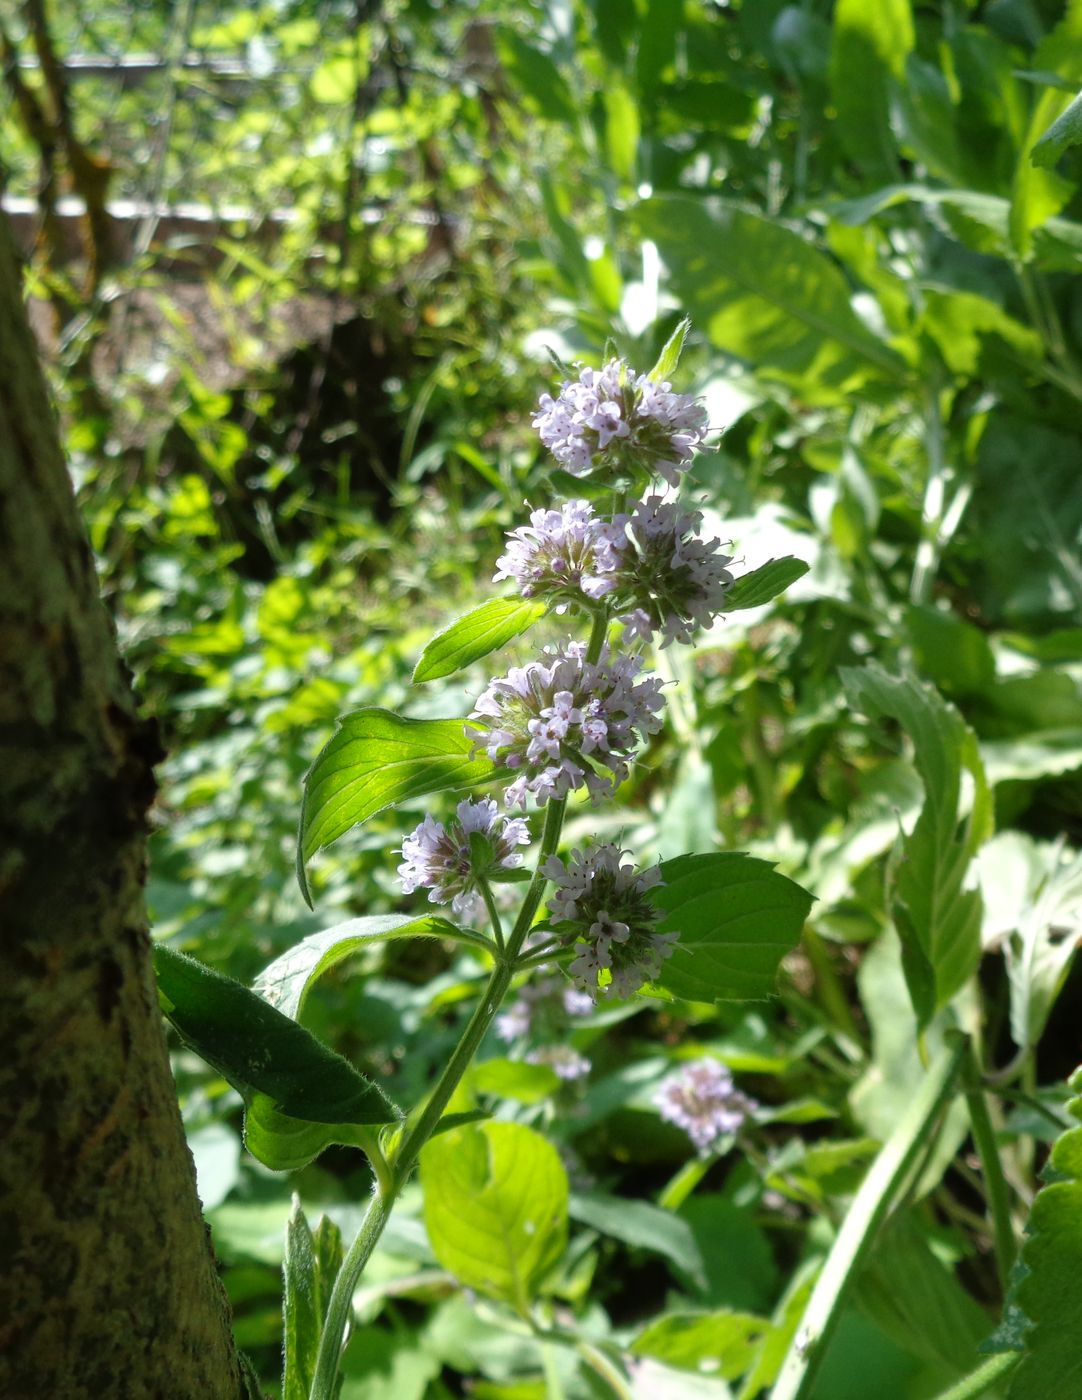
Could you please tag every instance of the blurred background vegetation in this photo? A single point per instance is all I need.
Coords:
(295, 268)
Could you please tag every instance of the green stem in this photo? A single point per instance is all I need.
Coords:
(493, 912)
(981, 1381)
(995, 1183)
(878, 1192)
(927, 557)
(340, 1307)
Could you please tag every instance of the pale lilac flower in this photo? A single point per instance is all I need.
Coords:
(602, 908)
(564, 723)
(568, 553)
(440, 859)
(543, 1004)
(616, 417)
(562, 1060)
(702, 1099)
(667, 579)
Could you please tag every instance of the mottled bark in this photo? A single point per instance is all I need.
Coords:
(107, 1280)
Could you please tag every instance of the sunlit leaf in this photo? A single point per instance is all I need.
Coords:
(482, 630)
(374, 760)
(766, 582)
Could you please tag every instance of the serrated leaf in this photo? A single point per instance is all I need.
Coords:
(937, 918)
(309, 1268)
(299, 1095)
(1047, 1285)
(286, 981)
(673, 348)
(374, 760)
(711, 1344)
(495, 1205)
(766, 582)
(482, 630)
(737, 918)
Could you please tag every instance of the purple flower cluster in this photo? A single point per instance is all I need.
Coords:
(651, 565)
(702, 1099)
(602, 908)
(565, 723)
(614, 416)
(570, 552)
(441, 860)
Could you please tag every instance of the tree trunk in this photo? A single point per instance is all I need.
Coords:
(108, 1285)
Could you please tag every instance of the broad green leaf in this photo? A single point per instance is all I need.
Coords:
(871, 39)
(374, 760)
(643, 1226)
(286, 981)
(959, 323)
(937, 917)
(1043, 753)
(309, 1268)
(671, 351)
(1039, 194)
(621, 129)
(1047, 1287)
(1064, 132)
(711, 1344)
(534, 75)
(736, 917)
(765, 294)
(495, 1203)
(482, 630)
(766, 582)
(298, 1093)
(951, 652)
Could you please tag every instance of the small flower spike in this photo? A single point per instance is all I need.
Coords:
(569, 553)
(562, 1060)
(602, 907)
(702, 1099)
(564, 723)
(439, 858)
(616, 418)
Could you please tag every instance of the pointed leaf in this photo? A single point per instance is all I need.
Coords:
(495, 1208)
(938, 919)
(643, 1226)
(276, 1065)
(766, 582)
(736, 917)
(287, 980)
(1065, 131)
(309, 1268)
(669, 358)
(482, 630)
(374, 760)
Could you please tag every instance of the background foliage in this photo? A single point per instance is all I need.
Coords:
(298, 415)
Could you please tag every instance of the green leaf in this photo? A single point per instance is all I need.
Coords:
(257, 1049)
(482, 630)
(286, 981)
(1047, 1288)
(642, 1226)
(671, 351)
(532, 73)
(736, 917)
(515, 1079)
(1041, 949)
(871, 39)
(765, 294)
(1065, 131)
(495, 1205)
(938, 919)
(309, 1268)
(286, 1144)
(710, 1344)
(766, 582)
(374, 760)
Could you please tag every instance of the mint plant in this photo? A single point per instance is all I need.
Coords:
(565, 726)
